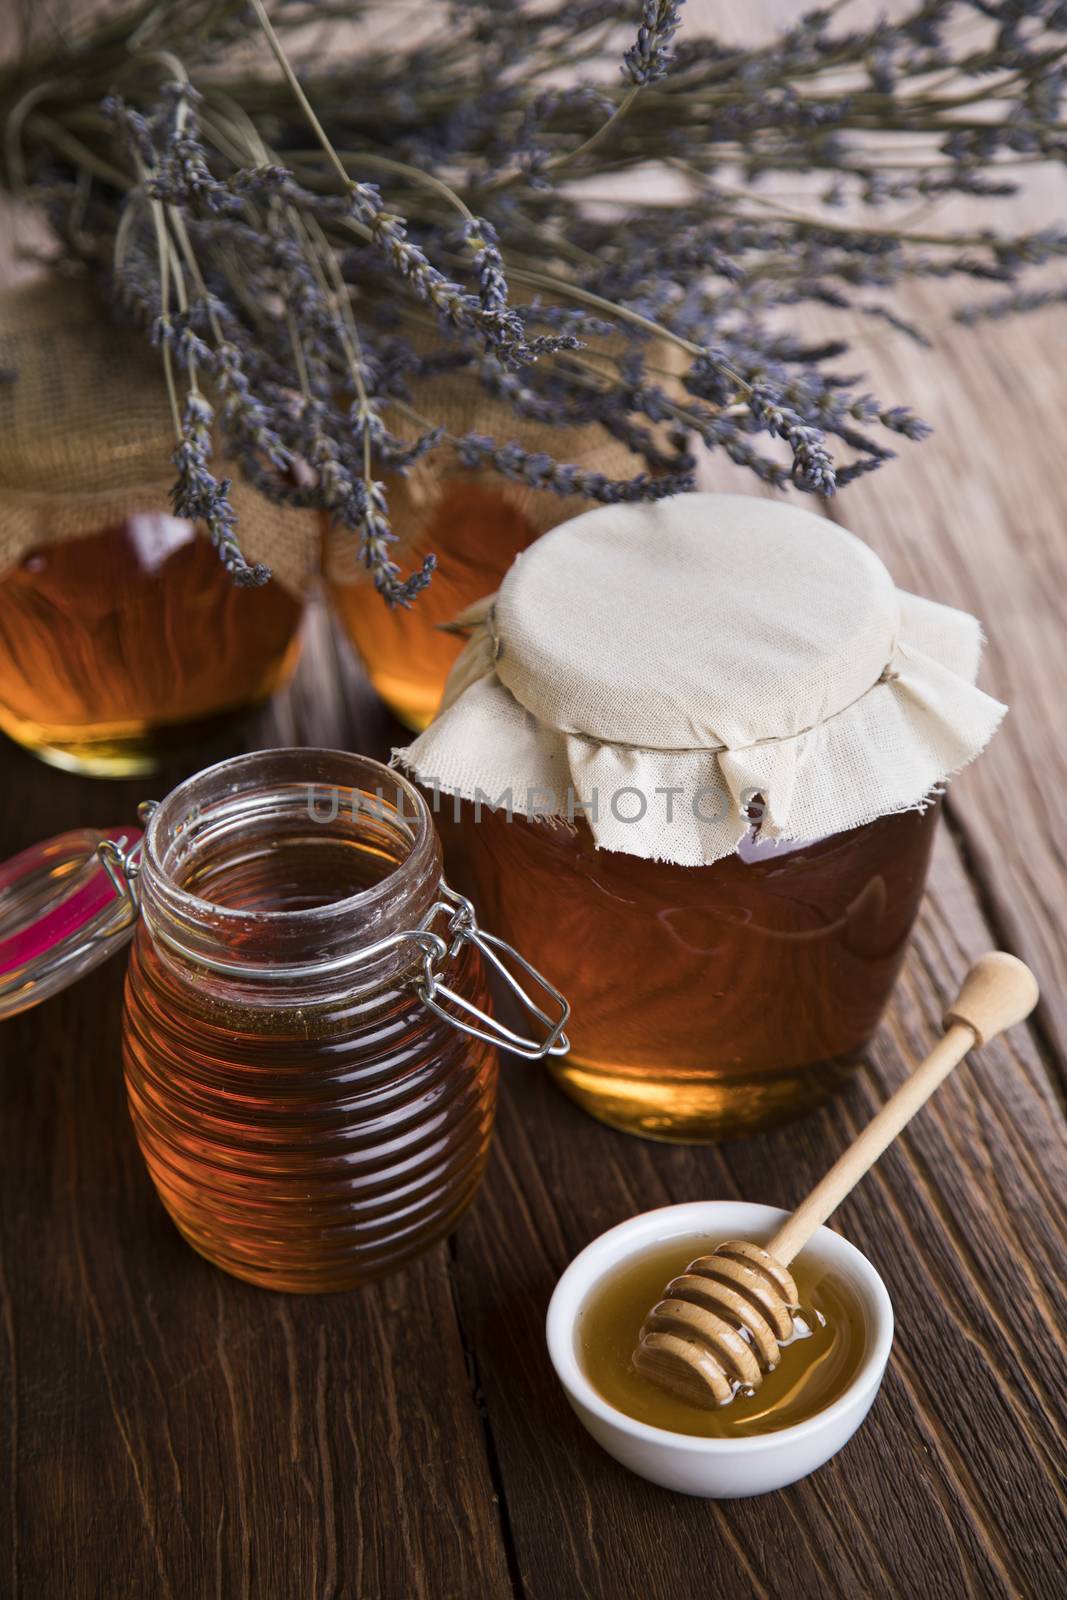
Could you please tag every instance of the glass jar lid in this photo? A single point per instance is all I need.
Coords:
(656, 668)
(64, 908)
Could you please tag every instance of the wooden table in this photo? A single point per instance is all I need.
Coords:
(167, 1431)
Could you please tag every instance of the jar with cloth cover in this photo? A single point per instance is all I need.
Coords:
(122, 637)
(696, 752)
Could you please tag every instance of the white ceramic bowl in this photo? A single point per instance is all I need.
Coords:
(718, 1469)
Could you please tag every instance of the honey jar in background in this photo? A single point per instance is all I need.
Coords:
(119, 646)
(692, 763)
(122, 638)
(310, 1063)
(474, 521)
(475, 532)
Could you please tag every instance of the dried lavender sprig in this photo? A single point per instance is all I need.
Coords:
(375, 538)
(389, 231)
(201, 497)
(649, 57)
(467, 313)
(1019, 303)
(812, 466)
(538, 470)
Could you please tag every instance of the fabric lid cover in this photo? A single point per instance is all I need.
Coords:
(654, 668)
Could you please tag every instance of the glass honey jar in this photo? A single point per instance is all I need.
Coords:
(692, 761)
(122, 639)
(722, 997)
(310, 1061)
(475, 531)
(122, 645)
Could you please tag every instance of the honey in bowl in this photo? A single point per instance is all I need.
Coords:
(815, 1369)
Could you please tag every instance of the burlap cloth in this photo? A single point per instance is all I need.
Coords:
(661, 666)
(86, 435)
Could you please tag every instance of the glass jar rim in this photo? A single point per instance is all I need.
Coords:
(395, 914)
(168, 814)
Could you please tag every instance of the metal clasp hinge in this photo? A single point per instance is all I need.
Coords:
(122, 863)
(462, 928)
(123, 866)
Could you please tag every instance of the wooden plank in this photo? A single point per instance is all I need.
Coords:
(102, 1437)
(976, 517)
(168, 1430)
(952, 1487)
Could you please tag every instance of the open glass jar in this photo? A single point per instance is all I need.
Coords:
(697, 751)
(122, 638)
(310, 1062)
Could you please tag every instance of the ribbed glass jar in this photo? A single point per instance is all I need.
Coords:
(308, 1122)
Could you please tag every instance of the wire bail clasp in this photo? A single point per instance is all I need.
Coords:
(122, 863)
(462, 928)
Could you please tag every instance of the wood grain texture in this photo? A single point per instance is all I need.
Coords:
(167, 1431)
(978, 518)
(975, 517)
(952, 1488)
(193, 1435)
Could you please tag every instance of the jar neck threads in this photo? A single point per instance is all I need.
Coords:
(280, 866)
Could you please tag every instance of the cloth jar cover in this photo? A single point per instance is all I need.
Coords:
(87, 436)
(655, 668)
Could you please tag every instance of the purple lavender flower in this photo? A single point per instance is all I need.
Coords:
(649, 57)
(201, 497)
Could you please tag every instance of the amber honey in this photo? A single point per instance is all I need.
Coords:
(306, 1132)
(815, 1369)
(706, 1001)
(475, 533)
(119, 646)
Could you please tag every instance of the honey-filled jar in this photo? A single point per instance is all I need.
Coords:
(691, 760)
(310, 1063)
(122, 637)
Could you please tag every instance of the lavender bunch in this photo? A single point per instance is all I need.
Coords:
(310, 235)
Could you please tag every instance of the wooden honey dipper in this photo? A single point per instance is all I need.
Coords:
(720, 1325)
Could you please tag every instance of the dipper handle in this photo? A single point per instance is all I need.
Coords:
(997, 992)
